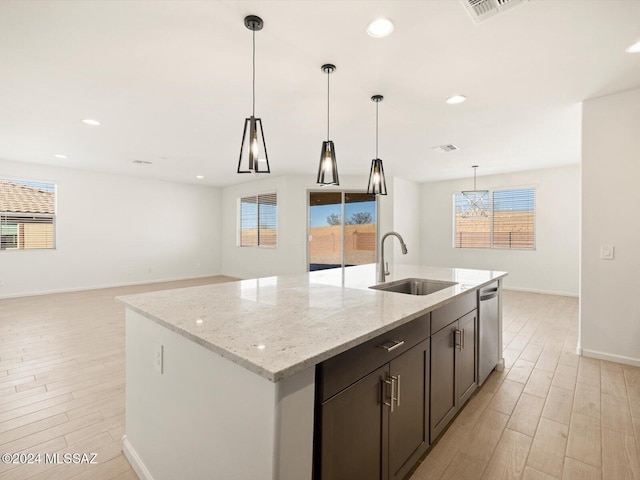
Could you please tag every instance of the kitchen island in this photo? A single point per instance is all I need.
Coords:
(222, 379)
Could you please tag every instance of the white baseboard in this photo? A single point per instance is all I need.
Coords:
(545, 292)
(135, 461)
(611, 357)
(111, 285)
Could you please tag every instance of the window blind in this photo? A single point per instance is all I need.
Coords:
(509, 224)
(27, 215)
(259, 220)
(514, 219)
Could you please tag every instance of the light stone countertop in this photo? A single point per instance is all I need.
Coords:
(278, 326)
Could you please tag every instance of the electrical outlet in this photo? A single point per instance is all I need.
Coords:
(159, 358)
(1, 282)
(149, 270)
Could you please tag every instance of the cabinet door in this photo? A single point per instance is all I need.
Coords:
(443, 368)
(466, 370)
(353, 423)
(409, 421)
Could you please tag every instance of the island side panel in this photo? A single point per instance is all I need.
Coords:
(294, 426)
(205, 417)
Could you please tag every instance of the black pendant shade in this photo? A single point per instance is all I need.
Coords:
(377, 183)
(328, 167)
(253, 150)
(252, 145)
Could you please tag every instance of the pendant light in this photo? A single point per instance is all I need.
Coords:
(253, 150)
(328, 168)
(377, 183)
(475, 200)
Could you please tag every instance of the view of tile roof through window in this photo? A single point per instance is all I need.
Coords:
(27, 197)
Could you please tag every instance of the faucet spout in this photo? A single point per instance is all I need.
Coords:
(382, 269)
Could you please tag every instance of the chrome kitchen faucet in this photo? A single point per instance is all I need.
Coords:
(383, 269)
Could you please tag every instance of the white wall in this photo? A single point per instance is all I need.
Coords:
(610, 311)
(553, 267)
(290, 256)
(406, 220)
(111, 230)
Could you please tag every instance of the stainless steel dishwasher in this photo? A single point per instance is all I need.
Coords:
(488, 301)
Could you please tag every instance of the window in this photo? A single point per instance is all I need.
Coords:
(509, 221)
(259, 220)
(27, 215)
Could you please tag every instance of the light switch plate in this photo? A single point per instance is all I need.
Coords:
(159, 358)
(606, 252)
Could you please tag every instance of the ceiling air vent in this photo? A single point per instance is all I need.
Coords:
(445, 148)
(141, 162)
(480, 10)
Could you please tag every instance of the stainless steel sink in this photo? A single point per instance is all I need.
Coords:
(414, 286)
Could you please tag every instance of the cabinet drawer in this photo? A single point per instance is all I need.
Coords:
(337, 373)
(442, 317)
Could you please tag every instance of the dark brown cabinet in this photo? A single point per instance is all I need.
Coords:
(378, 427)
(466, 373)
(381, 404)
(453, 370)
(409, 420)
(443, 390)
(353, 423)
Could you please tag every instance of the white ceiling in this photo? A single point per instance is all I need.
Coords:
(171, 83)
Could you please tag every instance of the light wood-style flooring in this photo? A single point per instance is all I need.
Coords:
(62, 380)
(549, 415)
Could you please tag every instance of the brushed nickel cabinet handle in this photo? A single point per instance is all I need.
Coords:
(391, 345)
(398, 391)
(383, 390)
(391, 382)
(394, 388)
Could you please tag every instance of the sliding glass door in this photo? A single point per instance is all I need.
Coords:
(342, 229)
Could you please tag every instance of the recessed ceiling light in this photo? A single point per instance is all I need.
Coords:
(199, 177)
(59, 155)
(260, 347)
(380, 27)
(456, 99)
(199, 321)
(635, 48)
(91, 121)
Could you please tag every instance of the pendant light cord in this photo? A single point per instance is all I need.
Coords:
(328, 73)
(377, 129)
(253, 114)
